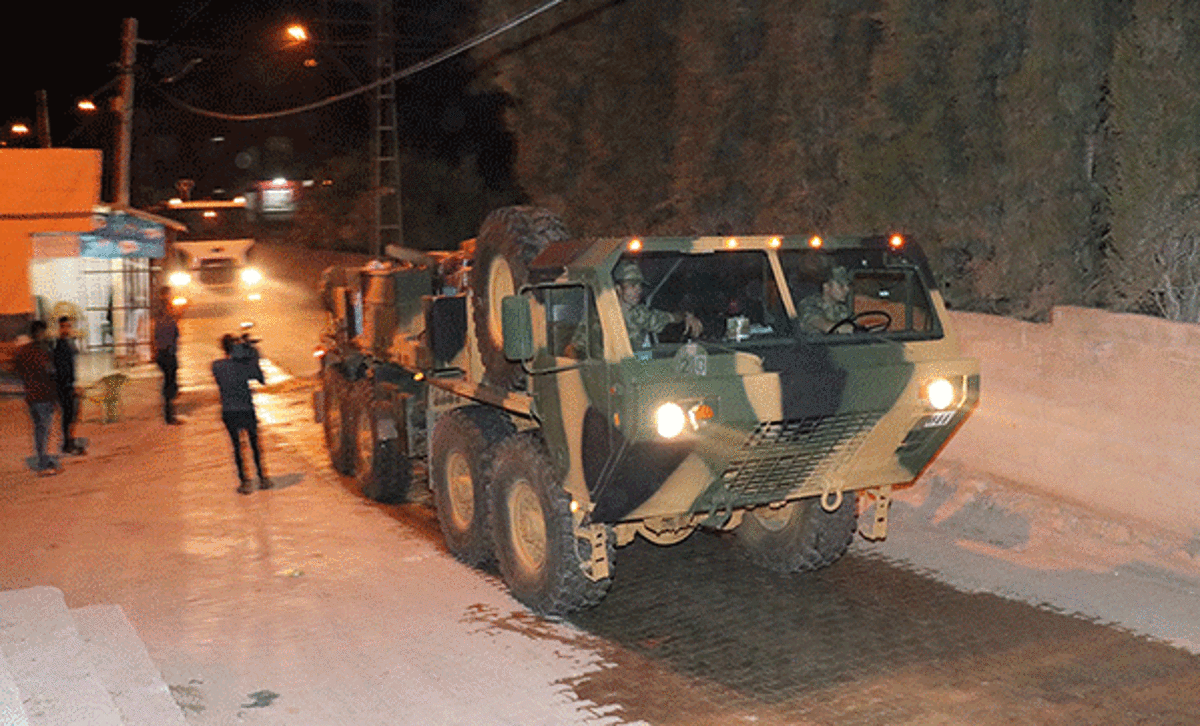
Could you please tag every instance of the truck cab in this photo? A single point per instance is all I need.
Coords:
(759, 409)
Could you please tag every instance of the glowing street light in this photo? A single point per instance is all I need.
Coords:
(19, 129)
(86, 105)
(297, 33)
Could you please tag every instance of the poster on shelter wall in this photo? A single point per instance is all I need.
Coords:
(123, 235)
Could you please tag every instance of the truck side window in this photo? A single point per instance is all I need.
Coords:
(572, 324)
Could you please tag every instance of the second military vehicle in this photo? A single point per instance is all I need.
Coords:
(210, 261)
(561, 396)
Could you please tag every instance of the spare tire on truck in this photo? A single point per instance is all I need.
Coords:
(509, 238)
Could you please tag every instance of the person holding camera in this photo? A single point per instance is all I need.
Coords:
(234, 373)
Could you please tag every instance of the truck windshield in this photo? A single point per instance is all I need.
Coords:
(733, 294)
(736, 297)
(211, 223)
(850, 291)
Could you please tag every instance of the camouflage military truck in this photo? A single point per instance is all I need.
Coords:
(561, 396)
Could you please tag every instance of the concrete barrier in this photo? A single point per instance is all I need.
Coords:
(1094, 407)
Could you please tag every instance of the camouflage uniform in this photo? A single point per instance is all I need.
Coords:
(815, 310)
(640, 321)
(818, 313)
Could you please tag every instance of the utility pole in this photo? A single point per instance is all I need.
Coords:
(43, 120)
(125, 125)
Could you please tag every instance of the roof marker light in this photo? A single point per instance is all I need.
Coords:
(815, 242)
(775, 242)
(731, 243)
(896, 242)
(635, 244)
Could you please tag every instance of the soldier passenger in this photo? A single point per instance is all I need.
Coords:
(640, 320)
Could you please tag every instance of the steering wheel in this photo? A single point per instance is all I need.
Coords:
(876, 326)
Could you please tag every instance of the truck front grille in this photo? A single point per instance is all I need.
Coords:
(217, 273)
(781, 456)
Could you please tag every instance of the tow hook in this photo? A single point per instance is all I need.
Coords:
(882, 497)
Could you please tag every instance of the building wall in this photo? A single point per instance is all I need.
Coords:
(41, 190)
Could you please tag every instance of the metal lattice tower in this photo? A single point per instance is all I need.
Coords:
(358, 26)
(385, 140)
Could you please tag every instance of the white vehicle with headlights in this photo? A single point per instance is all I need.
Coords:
(557, 422)
(210, 262)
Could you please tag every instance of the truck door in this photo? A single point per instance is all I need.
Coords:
(573, 384)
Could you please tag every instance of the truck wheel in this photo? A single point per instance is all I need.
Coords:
(382, 473)
(337, 439)
(539, 555)
(461, 449)
(798, 537)
(509, 238)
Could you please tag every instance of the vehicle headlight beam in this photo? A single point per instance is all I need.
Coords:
(669, 420)
(940, 393)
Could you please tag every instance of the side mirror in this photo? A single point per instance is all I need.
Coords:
(517, 327)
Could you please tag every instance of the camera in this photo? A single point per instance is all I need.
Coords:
(246, 348)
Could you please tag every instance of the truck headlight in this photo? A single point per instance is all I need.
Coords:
(179, 279)
(251, 276)
(940, 393)
(669, 419)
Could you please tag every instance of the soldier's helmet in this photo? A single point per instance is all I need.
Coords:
(840, 274)
(629, 271)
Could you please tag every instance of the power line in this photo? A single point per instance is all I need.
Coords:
(404, 73)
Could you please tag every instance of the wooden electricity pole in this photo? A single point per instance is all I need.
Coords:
(124, 148)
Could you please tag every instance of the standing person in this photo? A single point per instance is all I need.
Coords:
(64, 379)
(166, 344)
(36, 368)
(234, 373)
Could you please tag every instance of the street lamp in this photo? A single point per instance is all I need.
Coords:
(297, 33)
(19, 129)
(86, 105)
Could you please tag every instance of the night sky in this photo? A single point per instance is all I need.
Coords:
(245, 67)
(70, 52)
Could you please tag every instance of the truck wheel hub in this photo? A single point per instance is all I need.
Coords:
(461, 489)
(527, 527)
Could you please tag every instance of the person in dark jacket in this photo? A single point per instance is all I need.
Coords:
(234, 373)
(64, 380)
(36, 368)
(166, 345)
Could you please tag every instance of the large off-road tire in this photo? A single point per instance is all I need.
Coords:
(800, 536)
(460, 451)
(537, 550)
(380, 470)
(336, 420)
(509, 238)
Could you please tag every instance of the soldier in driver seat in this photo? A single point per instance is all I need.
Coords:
(820, 312)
